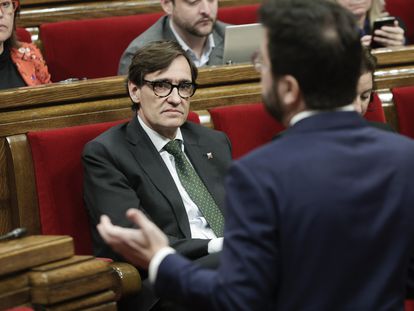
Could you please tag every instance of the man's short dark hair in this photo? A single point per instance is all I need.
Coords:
(318, 43)
(154, 56)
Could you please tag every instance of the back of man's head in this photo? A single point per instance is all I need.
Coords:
(317, 42)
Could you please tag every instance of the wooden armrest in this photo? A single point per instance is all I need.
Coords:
(129, 279)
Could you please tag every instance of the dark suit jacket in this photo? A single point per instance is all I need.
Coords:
(319, 219)
(123, 169)
(161, 30)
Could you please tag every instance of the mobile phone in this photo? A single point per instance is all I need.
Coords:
(378, 23)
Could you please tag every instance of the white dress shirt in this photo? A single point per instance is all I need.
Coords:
(198, 224)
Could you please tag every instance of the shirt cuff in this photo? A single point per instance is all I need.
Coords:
(156, 261)
(215, 245)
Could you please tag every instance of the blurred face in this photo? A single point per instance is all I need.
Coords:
(6, 21)
(163, 114)
(357, 7)
(364, 90)
(196, 17)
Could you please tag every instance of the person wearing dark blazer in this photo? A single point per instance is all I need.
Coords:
(128, 165)
(320, 218)
(193, 24)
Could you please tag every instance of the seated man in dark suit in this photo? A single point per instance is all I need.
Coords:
(130, 165)
(322, 217)
(192, 23)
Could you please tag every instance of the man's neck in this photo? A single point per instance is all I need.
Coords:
(195, 43)
(1, 47)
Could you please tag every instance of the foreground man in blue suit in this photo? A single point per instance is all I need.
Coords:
(321, 218)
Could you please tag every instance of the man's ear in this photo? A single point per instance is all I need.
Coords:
(134, 92)
(289, 90)
(167, 6)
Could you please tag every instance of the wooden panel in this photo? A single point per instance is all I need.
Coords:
(388, 78)
(112, 87)
(5, 210)
(37, 12)
(21, 182)
(14, 254)
(394, 56)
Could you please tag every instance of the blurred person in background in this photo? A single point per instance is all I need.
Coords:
(191, 23)
(366, 12)
(21, 64)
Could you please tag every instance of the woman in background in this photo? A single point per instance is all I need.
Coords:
(21, 64)
(366, 12)
(365, 88)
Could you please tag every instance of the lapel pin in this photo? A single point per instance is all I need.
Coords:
(209, 155)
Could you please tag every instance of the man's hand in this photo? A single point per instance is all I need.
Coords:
(138, 246)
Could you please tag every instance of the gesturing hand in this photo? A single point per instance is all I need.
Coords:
(138, 246)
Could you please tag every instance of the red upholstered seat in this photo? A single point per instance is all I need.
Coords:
(23, 35)
(243, 14)
(90, 48)
(58, 170)
(247, 126)
(404, 104)
(375, 112)
(403, 9)
(59, 179)
(409, 305)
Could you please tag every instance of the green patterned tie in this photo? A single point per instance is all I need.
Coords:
(196, 188)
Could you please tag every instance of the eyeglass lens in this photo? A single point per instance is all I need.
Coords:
(164, 88)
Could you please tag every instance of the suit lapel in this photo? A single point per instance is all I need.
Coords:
(154, 167)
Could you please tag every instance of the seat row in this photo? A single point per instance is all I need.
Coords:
(92, 48)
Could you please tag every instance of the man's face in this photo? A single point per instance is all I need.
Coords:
(196, 17)
(164, 114)
(271, 99)
(364, 90)
(357, 7)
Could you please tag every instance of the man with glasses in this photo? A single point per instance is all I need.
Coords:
(193, 24)
(129, 166)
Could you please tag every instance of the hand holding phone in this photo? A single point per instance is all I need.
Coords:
(378, 24)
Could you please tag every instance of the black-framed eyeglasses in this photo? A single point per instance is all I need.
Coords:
(9, 7)
(164, 88)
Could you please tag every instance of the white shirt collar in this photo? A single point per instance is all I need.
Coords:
(158, 140)
(208, 47)
(308, 113)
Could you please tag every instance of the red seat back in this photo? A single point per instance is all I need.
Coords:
(375, 112)
(59, 179)
(243, 14)
(404, 104)
(403, 9)
(23, 35)
(58, 170)
(90, 48)
(247, 126)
